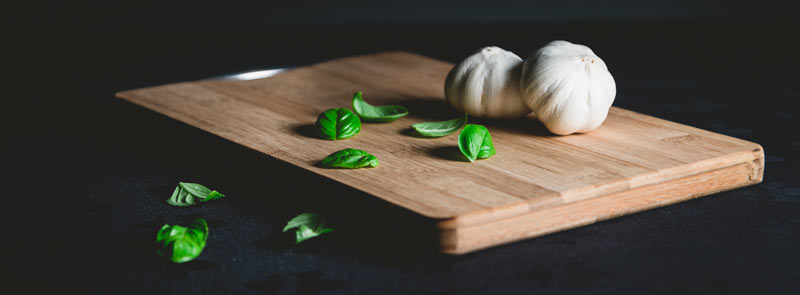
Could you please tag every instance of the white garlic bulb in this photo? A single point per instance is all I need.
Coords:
(486, 84)
(568, 87)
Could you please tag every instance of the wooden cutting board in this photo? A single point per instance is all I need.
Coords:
(538, 183)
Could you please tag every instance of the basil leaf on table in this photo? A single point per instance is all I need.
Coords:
(349, 158)
(475, 142)
(181, 244)
(438, 129)
(308, 225)
(338, 123)
(370, 113)
(187, 194)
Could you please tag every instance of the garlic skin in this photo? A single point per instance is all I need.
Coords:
(486, 84)
(568, 87)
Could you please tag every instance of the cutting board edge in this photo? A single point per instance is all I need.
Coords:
(462, 240)
(755, 154)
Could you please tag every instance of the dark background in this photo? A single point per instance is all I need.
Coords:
(91, 172)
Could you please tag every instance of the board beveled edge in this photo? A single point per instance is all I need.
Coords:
(465, 239)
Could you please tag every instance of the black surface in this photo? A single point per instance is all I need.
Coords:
(96, 170)
(356, 11)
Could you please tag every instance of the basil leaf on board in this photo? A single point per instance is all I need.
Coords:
(438, 129)
(308, 225)
(338, 123)
(475, 142)
(349, 158)
(370, 113)
(187, 194)
(181, 244)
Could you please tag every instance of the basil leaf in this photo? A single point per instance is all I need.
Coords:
(438, 129)
(475, 142)
(349, 158)
(187, 194)
(370, 113)
(338, 123)
(308, 225)
(181, 244)
(195, 189)
(212, 196)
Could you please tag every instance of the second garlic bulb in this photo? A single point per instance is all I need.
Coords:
(568, 87)
(486, 84)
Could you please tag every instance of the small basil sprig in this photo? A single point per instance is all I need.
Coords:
(438, 129)
(307, 225)
(349, 158)
(187, 194)
(181, 244)
(338, 123)
(475, 142)
(370, 113)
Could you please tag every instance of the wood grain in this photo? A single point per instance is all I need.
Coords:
(536, 184)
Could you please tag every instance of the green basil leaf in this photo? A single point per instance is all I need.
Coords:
(187, 194)
(304, 233)
(338, 123)
(195, 189)
(181, 244)
(438, 129)
(370, 113)
(307, 225)
(475, 142)
(349, 158)
(212, 196)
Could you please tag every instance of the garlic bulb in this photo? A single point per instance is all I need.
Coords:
(568, 87)
(486, 84)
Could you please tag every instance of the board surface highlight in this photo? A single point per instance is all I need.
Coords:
(537, 183)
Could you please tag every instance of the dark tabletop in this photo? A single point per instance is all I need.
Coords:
(95, 170)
